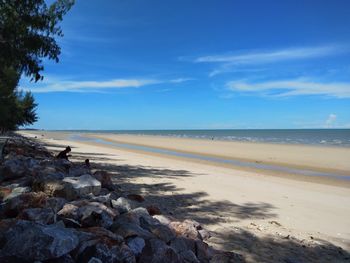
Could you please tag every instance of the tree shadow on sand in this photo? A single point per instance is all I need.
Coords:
(197, 206)
(276, 248)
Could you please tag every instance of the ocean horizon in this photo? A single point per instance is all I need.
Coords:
(326, 137)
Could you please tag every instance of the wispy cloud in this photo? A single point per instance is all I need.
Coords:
(295, 87)
(228, 61)
(56, 85)
(180, 80)
(273, 56)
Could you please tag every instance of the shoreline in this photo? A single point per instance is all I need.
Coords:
(302, 209)
(259, 155)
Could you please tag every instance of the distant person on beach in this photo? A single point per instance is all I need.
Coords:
(87, 163)
(63, 154)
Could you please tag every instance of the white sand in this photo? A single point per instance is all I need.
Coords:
(224, 199)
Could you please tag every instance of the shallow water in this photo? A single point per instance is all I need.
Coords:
(330, 137)
(268, 167)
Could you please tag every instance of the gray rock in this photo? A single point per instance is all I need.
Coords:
(182, 244)
(156, 251)
(39, 215)
(55, 203)
(16, 192)
(51, 183)
(136, 245)
(121, 204)
(94, 260)
(31, 241)
(162, 232)
(189, 257)
(130, 230)
(88, 213)
(76, 187)
(78, 170)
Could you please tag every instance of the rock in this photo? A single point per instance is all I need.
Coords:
(31, 241)
(55, 203)
(39, 215)
(189, 257)
(4, 192)
(130, 230)
(76, 187)
(64, 259)
(121, 204)
(16, 192)
(135, 197)
(19, 182)
(69, 211)
(202, 251)
(51, 184)
(156, 251)
(94, 260)
(88, 214)
(187, 228)
(204, 234)
(136, 245)
(27, 200)
(227, 257)
(164, 220)
(78, 170)
(153, 210)
(105, 179)
(160, 231)
(103, 245)
(182, 244)
(13, 168)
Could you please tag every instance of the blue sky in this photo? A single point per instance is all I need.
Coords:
(161, 64)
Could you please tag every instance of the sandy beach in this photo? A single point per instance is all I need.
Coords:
(239, 206)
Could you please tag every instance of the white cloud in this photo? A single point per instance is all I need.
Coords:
(331, 120)
(295, 87)
(272, 56)
(228, 62)
(58, 85)
(180, 80)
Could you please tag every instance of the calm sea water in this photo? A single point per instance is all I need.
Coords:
(333, 137)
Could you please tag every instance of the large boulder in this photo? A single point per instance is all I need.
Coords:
(160, 231)
(88, 214)
(103, 245)
(76, 187)
(39, 215)
(156, 251)
(31, 241)
(14, 206)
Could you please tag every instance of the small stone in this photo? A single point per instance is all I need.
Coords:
(121, 204)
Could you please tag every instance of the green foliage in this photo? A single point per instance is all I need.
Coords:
(27, 35)
(16, 108)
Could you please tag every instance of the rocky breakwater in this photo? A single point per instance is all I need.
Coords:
(58, 211)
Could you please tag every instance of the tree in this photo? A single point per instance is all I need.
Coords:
(27, 35)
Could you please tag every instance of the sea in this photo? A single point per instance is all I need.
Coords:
(325, 137)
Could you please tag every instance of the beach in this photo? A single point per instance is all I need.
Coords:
(235, 202)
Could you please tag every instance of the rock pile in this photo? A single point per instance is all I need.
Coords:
(58, 211)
